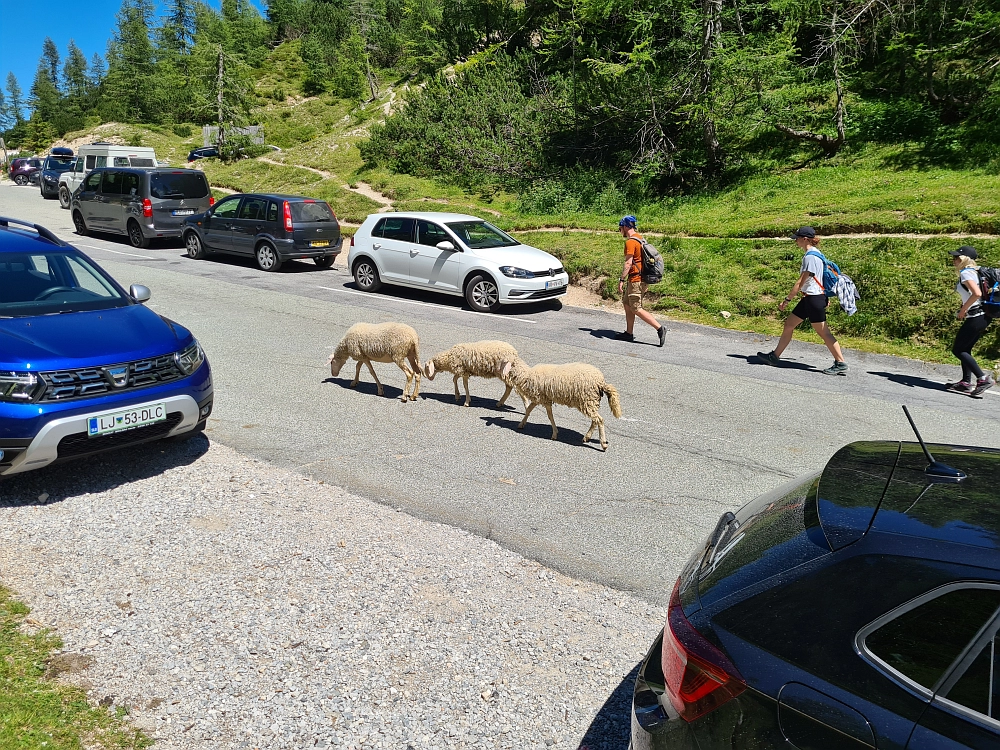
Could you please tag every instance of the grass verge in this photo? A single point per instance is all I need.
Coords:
(36, 711)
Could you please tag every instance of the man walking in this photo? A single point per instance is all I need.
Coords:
(632, 284)
(811, 307)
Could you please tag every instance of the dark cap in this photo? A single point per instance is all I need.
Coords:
(967, 250)
(804, 232)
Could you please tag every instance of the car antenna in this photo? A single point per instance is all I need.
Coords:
(936, 469)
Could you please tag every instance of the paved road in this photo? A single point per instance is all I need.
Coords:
(704, 429)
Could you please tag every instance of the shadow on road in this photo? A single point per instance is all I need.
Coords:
(477, 402)
(367, 387)
(100, 473)
(611, 728)
(543, 430)
(786, 364)
(605, 333)
(910, 381)
(440, 299)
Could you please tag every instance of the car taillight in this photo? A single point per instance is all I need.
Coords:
(147, 207)
(288, 217)
(211, 200)
(698, 677)
(352, 240)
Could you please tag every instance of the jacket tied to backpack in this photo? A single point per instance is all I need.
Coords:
(837, 284)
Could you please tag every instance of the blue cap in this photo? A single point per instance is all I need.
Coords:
(628, 221)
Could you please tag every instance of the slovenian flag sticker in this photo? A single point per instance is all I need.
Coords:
(92, 427)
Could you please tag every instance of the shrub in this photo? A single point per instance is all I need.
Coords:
(182, 131)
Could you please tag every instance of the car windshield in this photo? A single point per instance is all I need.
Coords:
(306, 212)
(53, 282)
(481, 234)
(59, 163)
(141, 161)
(178, 185)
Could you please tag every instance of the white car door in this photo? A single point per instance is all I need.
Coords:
(429, 265)
(392, 241)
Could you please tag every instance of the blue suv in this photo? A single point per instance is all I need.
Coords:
(84, 366)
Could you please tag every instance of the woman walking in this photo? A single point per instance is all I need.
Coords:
(974, 323)
(811, 307)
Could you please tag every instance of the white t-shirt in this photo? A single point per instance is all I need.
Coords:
(968, 274)
(813, 265)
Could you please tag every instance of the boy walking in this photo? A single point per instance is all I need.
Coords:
(632, 284)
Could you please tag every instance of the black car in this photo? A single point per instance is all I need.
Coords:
(205, 152)
(59, 160)
(856, 609)
(270, 228)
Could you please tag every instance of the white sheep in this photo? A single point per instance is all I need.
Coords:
(481, 359)
(576, 385)
(380, 342)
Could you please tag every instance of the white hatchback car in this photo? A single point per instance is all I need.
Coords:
(454, 254)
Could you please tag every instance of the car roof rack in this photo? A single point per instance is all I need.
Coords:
(42, 231)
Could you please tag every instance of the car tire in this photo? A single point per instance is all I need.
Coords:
(195, 248)
(64, 196)
(267, 257)
(366, 275)
(135, 236)
(20, 180)
(80, 224)
(326, 261)
(482, 293)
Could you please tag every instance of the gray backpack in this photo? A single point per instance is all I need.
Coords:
(652, 264)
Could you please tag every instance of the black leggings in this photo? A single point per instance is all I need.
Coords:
(971, 331)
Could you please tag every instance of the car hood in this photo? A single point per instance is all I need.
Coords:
(522, 256)
(87, 339)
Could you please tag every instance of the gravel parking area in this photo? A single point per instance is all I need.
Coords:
(230, 604)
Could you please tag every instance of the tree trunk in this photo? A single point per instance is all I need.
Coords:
(711, 27)
(220, 139)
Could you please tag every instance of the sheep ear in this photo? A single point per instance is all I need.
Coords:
(505, 370)
(430, 369)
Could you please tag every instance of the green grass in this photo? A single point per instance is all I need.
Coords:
(37, 712)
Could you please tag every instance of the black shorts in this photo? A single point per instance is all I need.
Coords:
(812, 307)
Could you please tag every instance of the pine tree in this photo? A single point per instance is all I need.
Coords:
(97, 71)
(179, 26)
(50, 61)
(130, 85)
(16, 105)
(6, 120)
(75, 79)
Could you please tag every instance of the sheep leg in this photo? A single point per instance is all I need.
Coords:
(455, 381)
(372, 371)
(503, 400)
(465, 382)
(594, 417)
(415, 366)
(527, 413)
(604, 438)
(357, 375)
(409, 380)
(555, 430)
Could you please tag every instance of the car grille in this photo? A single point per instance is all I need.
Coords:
(62, 385)
(547, 272)
(547, 293)
(80, 444)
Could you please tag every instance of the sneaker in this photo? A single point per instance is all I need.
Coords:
(960, 387)
(768, 358)
(981, 387)
(662, 334)
(837, 368)
(624, 336)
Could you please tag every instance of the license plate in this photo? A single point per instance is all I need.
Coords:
(126, 419)
(183, 212)
(555, 284)
(320, 243)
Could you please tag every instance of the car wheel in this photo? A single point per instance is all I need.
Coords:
(195, 249)
(21, 180)
(79, 223)
(482, 294)
(135, 235)
(267, 257)
(326, 261)
(64, 196)
(366, 276)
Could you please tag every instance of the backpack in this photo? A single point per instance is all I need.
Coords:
(652, 264)
(831, 272)
(838, 284)
(989, 285)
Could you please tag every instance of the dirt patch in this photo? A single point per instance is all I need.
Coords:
(585, 292)
(69, 663)
(363, 188)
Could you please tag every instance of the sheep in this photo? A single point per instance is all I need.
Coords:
(481, 359)
(575, 385)
(380, 342)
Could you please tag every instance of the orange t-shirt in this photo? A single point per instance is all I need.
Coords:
(633, 250)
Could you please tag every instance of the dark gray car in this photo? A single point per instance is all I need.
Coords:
(142, 204)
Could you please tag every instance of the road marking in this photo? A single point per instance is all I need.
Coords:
(428, 304)
(116, 252)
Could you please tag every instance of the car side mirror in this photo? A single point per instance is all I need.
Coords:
(445, 245)
(140, 293)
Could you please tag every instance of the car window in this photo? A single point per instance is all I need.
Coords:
(91, 161)
(178, 185)
(85, 278)
(78, 165)
(308, 212)
(140, 161)
(121, 161)
(395, 228)
(272, 211)
(130, 183)
(36, 163)
(112, 184)
(480, 234)
(59, 163)
(40, 265)
(430, 234)
(93, 181)
(61, 281)
(227, 208)
(973, 689)
(924, 641)
(253, 209)
(102, 161)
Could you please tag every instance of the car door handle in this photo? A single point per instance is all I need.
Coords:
(376, 246)
(414, 252)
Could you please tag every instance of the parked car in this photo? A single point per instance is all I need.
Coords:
(59, 160)
(91, 156)
(856, 608)
(454, 254)
(270, 228)
(85, 367)
(25, 171)
(205, 152)
(143, 204)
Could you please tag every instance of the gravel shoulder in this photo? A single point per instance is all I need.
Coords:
(227, 603)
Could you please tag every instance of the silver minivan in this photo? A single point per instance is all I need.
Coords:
(142, 204)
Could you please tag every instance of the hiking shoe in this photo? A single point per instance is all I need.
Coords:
(662, 334)
(981, 387)
(960, 387)
(624, 336)
(768, 358)
(837, 368)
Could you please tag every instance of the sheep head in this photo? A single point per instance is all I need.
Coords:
(429, 369)
(336, 363)
(504, 371)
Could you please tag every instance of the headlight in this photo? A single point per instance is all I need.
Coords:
(17, 386)
(516, 273)
(188, 360)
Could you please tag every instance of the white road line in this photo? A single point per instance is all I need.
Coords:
(116, 252)
(428, 304)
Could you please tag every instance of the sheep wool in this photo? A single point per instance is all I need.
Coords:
(380, 342)
(481, 359)
(577, 385)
